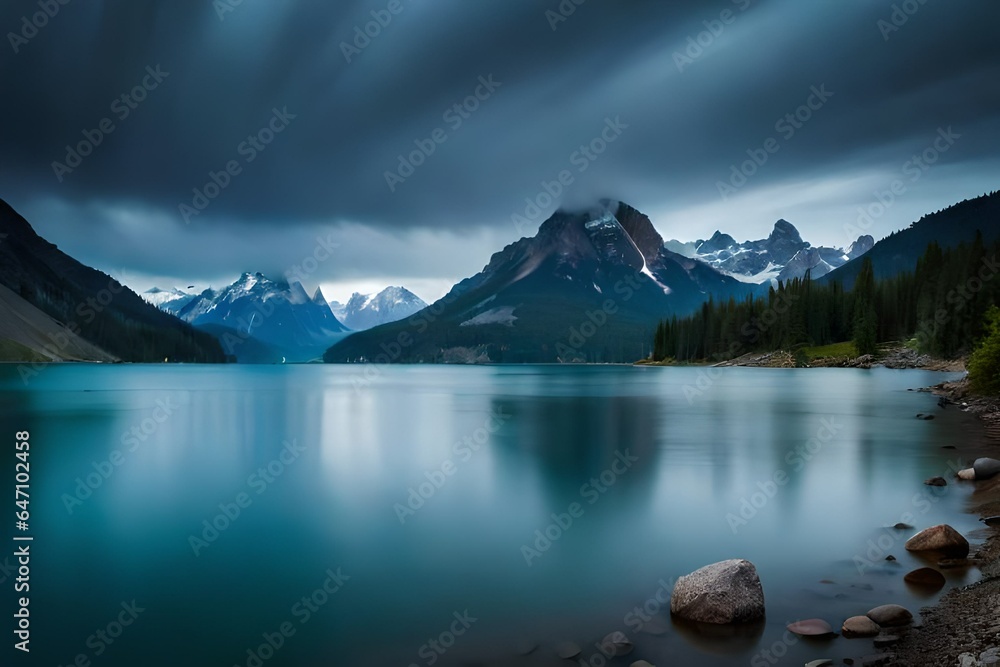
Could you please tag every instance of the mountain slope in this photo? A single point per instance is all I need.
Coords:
(279, 316)
(948, 227)
(364, 311)
(92, 304)
(28, 334)
(589, 286)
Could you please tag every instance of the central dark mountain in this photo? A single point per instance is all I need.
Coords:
(590, 286)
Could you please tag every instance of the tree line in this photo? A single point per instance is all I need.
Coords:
(941, 304)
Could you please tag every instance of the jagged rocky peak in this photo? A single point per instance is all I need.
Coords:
(719, 241)
(786, 230)
(861, 246)
(640, 228)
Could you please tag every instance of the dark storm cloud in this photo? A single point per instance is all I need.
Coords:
(687, 121)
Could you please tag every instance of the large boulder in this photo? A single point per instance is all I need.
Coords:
(986, 468)
(725, 592)
(942, 538)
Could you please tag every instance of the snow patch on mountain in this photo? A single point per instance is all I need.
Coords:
(504, 316)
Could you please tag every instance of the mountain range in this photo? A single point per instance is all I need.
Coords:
(783, 255)
(589, 286)
(258, 319)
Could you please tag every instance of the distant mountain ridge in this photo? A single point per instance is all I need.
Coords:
(589, 286)
(277, 318)
(364, 311)
(783, 255)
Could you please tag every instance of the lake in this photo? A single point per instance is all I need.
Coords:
(419, 515)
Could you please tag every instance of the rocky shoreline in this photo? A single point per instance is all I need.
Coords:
(893, 357)
(963, 629)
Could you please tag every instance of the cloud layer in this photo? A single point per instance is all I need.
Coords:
(486, 103)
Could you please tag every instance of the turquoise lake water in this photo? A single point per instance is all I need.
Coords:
(429, 515)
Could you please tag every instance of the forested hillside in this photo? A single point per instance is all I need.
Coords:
(941, 304)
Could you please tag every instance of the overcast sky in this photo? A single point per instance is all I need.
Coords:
(678, 113)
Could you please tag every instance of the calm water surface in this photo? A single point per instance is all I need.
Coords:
(420, 489)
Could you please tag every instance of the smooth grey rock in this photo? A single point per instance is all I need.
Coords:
(860, 626)
(986, 468)
(811, 627)
(890, 615)
(724, 592)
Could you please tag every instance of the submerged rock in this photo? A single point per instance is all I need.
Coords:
(890, 615)
(941, 538)
(991, 520)
(936, 481)
(568, 650)
(926, 577)
(725, 592)
(811, 627)
(616, 644)
(860, 626)
(903, 526)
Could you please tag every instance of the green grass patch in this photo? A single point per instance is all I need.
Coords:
(13, 351)
(845, 349)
